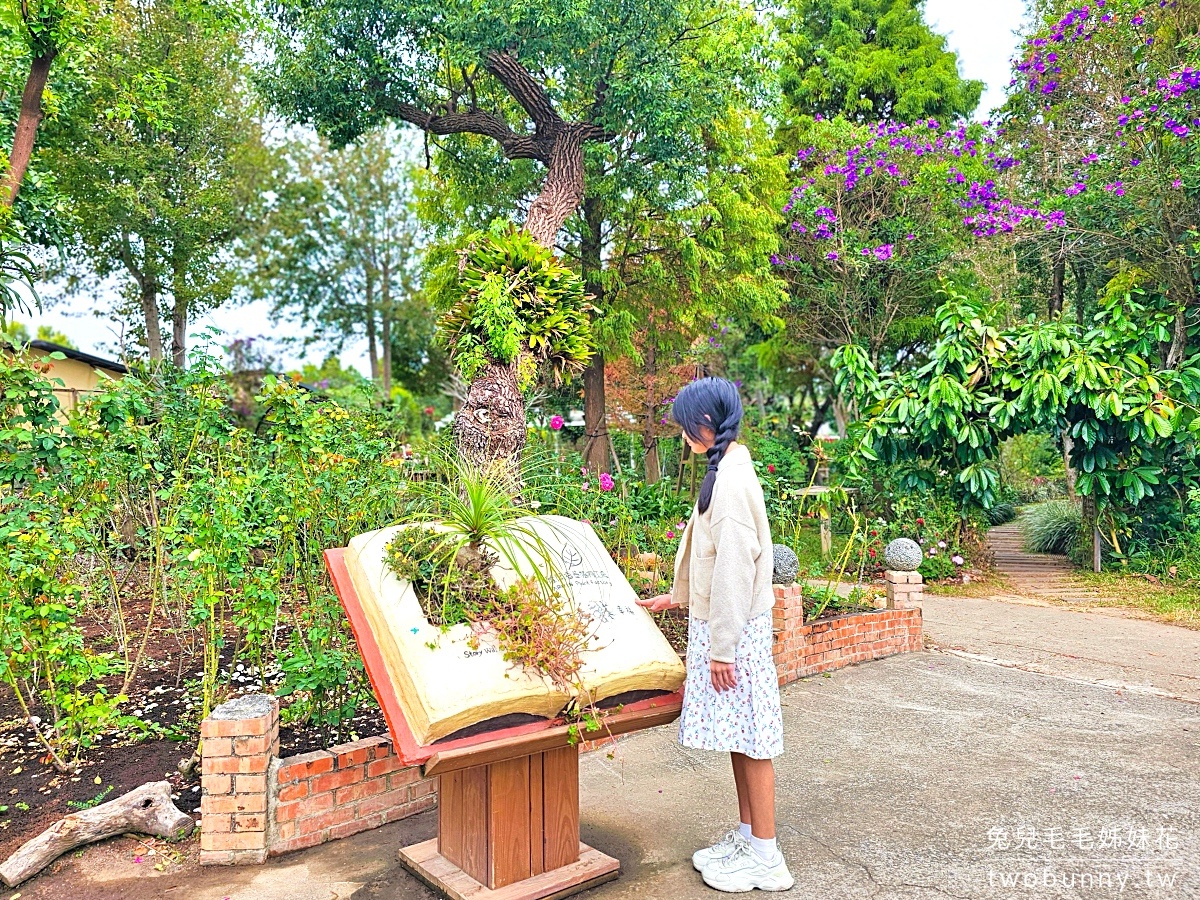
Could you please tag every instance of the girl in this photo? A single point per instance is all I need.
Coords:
(723, 575)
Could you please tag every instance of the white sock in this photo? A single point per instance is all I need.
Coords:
(765, 848)
(745, 830)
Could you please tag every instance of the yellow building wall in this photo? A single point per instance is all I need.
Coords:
(78, 378)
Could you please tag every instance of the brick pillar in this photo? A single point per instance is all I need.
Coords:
(788, 623)
(905, 590)
(239, 740)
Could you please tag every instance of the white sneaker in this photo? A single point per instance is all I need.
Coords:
(743, 870)
(719, 850)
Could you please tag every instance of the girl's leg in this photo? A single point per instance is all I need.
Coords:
(743, 786)
(756, 793)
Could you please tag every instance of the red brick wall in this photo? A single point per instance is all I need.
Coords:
(330, 794)
(803, 649)
(256, 805)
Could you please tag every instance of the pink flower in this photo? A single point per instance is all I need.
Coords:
(583, 471)
(556, 423)
(957, 560)
(681, 525)
(670, 535)
(606, 481)
(587, 486)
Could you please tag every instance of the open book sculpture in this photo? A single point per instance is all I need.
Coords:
(444, 684)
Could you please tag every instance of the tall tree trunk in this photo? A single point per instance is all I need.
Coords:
(372, 341)
(1056, 285)
(490, 426)
(1080, 276)
(27, 124)
(179, 317)
(1068, 443)
(653, 466)
(841, 416)
(595, 402)
(179, 311)
(385, 329)
(149, 299)
(147, 282)
(562, 190)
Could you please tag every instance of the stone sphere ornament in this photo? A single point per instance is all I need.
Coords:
(787, 564)
(903, 555)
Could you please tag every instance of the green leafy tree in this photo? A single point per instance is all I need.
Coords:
(33, 34)
(869, 61)
(163, 162)
(37, 32)
(1132, 415)
(17, 335)
(615, 95)
(542, 80)
(340, 252)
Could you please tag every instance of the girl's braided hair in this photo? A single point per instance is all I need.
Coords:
(712, 403)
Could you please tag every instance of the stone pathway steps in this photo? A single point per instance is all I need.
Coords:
(1043, 575)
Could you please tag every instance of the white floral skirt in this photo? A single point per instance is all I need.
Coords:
(745, 719)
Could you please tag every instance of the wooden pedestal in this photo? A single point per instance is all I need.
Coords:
(510, 829)
(508, 800)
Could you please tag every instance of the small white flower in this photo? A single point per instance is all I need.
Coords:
(942, 544)
(535, 504)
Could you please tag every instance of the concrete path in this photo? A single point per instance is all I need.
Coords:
(920, 776)
(1107, 646)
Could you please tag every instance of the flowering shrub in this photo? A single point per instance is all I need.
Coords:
(149, 489)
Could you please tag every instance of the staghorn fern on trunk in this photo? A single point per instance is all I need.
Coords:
(511, 309)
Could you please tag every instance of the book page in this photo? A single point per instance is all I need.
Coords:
(444, 684)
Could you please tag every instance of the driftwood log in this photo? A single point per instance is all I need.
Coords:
(144, 810)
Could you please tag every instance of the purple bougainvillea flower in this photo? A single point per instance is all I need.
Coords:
(884, 252)
(606, 481)
(556, 423)
(831, 255)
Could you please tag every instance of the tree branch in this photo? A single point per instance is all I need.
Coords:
(526, 90)
(474, 121)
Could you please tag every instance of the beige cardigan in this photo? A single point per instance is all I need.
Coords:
(725, 561)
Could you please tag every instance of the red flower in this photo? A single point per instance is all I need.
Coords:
(771, 468)
(871, 552)
(920, 521)
(429, 410)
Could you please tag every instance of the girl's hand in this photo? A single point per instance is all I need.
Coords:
(658, 604)
(724, 675)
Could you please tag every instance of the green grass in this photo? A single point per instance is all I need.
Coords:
(1174, 602)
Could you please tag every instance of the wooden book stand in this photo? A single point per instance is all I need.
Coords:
(508, 799)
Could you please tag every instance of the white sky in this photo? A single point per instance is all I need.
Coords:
(984, 34)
